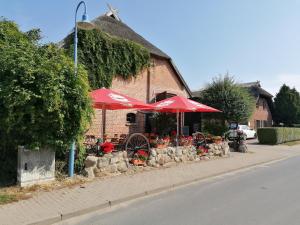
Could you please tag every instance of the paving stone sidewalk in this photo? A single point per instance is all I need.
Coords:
(51, 207)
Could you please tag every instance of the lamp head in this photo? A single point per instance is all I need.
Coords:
(85, 24)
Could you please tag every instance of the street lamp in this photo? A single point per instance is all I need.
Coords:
(85, 25)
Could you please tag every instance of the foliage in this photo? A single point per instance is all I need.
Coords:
(287, 106)
(105, 56)
(214, 127)
(6, 198)
(42, 102)
(277, 135)
(235, 102)
(163, 123)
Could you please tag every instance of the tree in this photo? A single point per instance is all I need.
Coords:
(42, 103)
(235, 102)
(287, 106)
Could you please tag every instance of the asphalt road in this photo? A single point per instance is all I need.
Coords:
(266, 195)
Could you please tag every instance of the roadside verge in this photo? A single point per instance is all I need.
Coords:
(51, 207)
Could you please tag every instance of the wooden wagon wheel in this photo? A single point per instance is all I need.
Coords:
(135, 142)
(199, 139)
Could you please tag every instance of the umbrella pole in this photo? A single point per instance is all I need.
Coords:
(103, 122)
(177, 135)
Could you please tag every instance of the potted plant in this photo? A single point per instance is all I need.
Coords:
(217, 139)
(140, 158)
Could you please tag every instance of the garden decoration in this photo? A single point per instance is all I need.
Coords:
(108, 99)
(140, 157)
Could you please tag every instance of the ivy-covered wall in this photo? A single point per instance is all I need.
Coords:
(106, 56)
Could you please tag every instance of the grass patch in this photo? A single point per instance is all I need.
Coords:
(17, 193)
(7, 198)
(292, 143)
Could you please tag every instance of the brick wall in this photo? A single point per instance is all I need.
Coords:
(261, 113)
(158, 78)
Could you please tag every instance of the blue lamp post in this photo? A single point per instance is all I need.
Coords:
(85, 25)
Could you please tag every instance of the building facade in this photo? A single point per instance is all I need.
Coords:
(161, 80)
(262, 115)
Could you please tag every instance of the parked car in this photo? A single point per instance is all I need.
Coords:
(250, 133)
(234, 127)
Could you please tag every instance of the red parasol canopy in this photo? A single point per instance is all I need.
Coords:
(181, 104)
(108, 99)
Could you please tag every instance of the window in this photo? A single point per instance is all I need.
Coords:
(264, 105)
(131, 118)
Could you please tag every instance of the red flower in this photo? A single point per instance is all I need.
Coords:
(142, 153)
(107, 147)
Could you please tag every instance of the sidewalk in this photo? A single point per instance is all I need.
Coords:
(51, 207)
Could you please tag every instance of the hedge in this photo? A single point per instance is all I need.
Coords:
(277, 135)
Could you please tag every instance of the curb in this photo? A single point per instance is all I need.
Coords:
(110, 204)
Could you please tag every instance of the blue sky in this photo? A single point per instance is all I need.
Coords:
(252, 40)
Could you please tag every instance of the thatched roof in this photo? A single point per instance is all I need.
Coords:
(117, 28)
(256, 89)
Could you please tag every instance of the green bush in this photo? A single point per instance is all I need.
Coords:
(214, 127)
(277, 135)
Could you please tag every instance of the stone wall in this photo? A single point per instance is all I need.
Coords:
(118, 162)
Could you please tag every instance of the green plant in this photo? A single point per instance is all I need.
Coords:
(287, 106)
(224, 94)
(42, 102)
(106, 56)
(215, 127)
(163, 123)
(277, 135)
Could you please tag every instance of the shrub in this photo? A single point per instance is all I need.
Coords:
(42, 102)
(277, 135)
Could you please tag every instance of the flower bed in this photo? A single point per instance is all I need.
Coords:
(118, 162)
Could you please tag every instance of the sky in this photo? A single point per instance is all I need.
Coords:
(251, 40)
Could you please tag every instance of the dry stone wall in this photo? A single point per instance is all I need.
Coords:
(118, 162)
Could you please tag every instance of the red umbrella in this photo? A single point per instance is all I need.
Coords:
(179, 104)
(108, 99)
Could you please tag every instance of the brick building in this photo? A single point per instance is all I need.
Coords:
(161, 80)
(262, 116)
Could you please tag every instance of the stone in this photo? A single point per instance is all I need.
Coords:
(210, 153)
(114, 160)
(178, 152)
(218, 152)
(171, 151)
(113, 168)
(176, 159)
(125, 155)
(102, 162)
(109, 155)
(122, 167)
(152, 163)
(225, 148)
(90, 161)
(191, 157)
(153, 152)
(183, 158)
(184, 151)
(160, 160)
(89, 172)
(97, 172)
